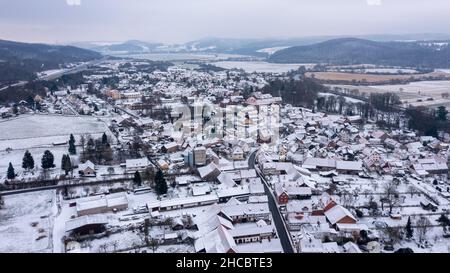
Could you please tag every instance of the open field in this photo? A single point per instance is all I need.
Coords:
(260, 67)
(422, 93)
(370, 78)
(35, 126)
(37, 133)
(26, 222)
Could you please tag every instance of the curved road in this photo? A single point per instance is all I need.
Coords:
(277, 218)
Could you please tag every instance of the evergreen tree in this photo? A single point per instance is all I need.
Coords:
(160, 183)
(27, 161)
(104, 139)
(66, 164)
(442, 113)
(47, 161)
(137, 179)
(72, 147)
(409, 229)
(444, 220)
(11, 173)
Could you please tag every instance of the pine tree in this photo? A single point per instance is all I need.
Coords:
(72, 147)
(160, 183)
(11, 173)
(27, 161)
(66, 164)
(137, 179)
(104, 139)
(47, 161)
(409, 229)
(442, 113)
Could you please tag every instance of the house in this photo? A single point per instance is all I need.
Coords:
(256, 187)
(252, 234)
(209, 172)
(321, 164)
(348, 167)
(140, 164)
(339, 215)
(84, 225)
(169, 147)
(435, 165)
(281, 194)
(310, 245)
(102, 204)
(242, 213)
(186, 202)
(87, 169)
(298, 193)
(217, 241)
(238, 153)
(241, 193)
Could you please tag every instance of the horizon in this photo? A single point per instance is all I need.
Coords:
(387, 37)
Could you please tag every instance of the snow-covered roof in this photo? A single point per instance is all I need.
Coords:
(207, 170)
(251, 231)
(216, 241)
(87, 164)
(349, 165)
(85, 220)
(336, 213)
(137, 163)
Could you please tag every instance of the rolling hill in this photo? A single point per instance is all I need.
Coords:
(348, 51)
(20, 61)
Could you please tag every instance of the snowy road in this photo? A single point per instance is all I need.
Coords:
(282, 231)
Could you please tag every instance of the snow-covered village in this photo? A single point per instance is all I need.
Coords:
(154, 157)
(224, 135)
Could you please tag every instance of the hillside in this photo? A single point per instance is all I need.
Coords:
(348, 51)
(20, 61)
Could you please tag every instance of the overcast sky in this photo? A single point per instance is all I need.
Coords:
(58, 21)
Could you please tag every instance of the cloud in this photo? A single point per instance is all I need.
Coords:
(73, 2)
(373, 2)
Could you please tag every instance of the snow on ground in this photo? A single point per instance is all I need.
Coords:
(444, 70)
(429, 88)
(24, 219)
(346, 98)
(38, 133)
(16, 156)
(260, 67)
(272, 50)
(36, 126)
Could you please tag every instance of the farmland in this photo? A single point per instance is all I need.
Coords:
(370, 78)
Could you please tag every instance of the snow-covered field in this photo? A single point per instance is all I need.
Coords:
(429, 88)
(16, 156)
(260, 67)
(443, 70)
(37, 126)
(181, 56)
(272, 50)
(346, 98)
(26, 222)
(37, 133)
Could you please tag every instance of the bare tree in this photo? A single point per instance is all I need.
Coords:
(412, 190)
(393, 234)
(115, 245)
(347, 199)
(153, 244)
(423, 226)
(391, 195)
(103, 248)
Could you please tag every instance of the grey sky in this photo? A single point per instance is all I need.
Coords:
(182, 20)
